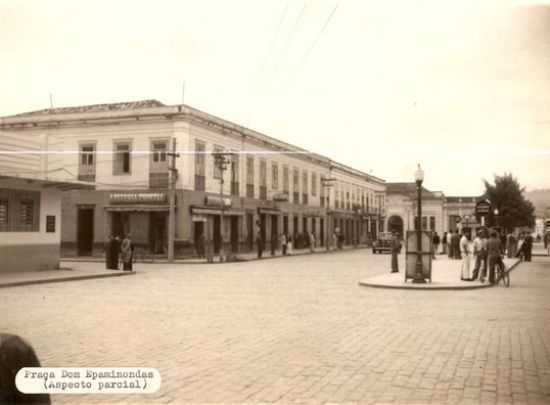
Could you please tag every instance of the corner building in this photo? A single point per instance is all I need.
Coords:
(269, 185)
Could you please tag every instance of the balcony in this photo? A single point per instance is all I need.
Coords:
(158, 180)
(86, 177)
(199, 183)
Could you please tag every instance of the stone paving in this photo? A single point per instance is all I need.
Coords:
(298, 330)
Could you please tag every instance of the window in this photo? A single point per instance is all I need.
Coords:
(200, 165)
(86, 166)
(313, 184)
(296, 185)
(159, 151)
(275, 176)
(432, 223)
(3, 215)
(250, 176)
(285, 179)
(304, 187)
(424, 223)
(19, 211)
(122, 158)
(235, 174)
(263, 179)
(217, 169)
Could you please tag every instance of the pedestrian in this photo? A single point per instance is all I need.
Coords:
(528, 246)
(444, 243)
(478, 256)
(116, 253)
(456, 248)
(436, 240)
(16, 353)
(283, 243)
(289, 244)
(494, 251)
(259, 243)
(127, 253)
(465, 253)
(450, 244)
(510, 245)
(547, 242)
(395, 249)
(311, 242)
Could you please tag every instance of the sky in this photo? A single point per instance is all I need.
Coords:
(461, 87)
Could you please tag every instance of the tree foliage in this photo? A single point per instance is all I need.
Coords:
(507, 195)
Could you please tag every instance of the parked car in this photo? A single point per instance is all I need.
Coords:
(383, 243)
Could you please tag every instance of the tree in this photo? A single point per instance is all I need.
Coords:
(514, 210)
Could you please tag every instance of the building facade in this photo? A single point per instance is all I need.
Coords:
(440, 213)
(269, 187)
(31, 188)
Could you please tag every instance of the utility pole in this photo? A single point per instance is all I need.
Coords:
(172, 176)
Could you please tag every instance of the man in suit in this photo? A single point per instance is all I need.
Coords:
(494, 250)
(528, 246)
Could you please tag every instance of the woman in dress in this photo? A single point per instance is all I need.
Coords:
(289, 245)
(127, 253)
(465, 252)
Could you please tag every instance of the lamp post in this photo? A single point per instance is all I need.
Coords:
(495, 212)
(419, 178)
(221, 160)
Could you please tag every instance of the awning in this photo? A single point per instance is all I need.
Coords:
(136, 208)
(214, 211)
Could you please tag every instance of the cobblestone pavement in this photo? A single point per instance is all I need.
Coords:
(296, 330)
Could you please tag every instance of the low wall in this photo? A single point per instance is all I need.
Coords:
(29, 257)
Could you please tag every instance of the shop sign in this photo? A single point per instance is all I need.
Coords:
(138, 198)
(483, 208)
(215, 201)
(198, 218)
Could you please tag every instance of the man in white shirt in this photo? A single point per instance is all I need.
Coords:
(478, 255)
(465, 251)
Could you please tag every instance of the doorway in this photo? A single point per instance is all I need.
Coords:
(250, 231)
(234, 234)
(322, 231)
(199, 237)
(85, 231)
(157, 233)
(217, 233)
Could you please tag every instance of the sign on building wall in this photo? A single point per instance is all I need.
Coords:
(138, 198)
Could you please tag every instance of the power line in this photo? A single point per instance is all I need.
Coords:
(274, 40)
(291, 34)
(308, 52)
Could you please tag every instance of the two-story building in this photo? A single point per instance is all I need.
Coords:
(269, 186)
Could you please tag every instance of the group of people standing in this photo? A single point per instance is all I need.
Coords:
(119, 252)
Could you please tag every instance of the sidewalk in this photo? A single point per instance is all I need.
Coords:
(20, 278)
(241, 257)
(445, 276)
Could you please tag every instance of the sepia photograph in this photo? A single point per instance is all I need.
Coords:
(298, 202)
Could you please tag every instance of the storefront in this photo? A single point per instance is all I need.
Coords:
(143, 215)
(216, 222)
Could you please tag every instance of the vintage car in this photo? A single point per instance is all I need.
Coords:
(383, 243)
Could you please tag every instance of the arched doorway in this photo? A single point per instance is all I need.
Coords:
(395, 224)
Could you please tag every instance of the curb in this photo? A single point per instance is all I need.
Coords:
(239, 260)
(64, 279)
(410, 286)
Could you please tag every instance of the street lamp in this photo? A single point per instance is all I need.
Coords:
(221, 160)
(419, 178)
